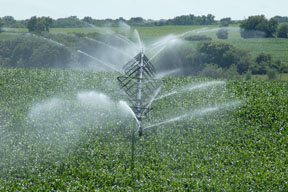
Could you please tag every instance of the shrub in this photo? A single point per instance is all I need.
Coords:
(224, 55)
(264, 62)
(248, 75)
(222, 33)
(272, 74)
(211, 70)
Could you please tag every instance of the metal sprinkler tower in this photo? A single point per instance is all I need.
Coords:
(140, 85)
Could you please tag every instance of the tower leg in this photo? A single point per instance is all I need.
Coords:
(133, 148)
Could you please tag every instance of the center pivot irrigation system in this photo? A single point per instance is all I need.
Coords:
(141, 86)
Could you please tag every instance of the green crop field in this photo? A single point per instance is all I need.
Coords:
(233, 135)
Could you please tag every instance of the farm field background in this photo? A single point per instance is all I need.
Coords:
(50, 140)
(277, 47)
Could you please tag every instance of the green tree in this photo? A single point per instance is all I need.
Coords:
(258, 26)
(248, 75)
(47, 22)
(224, 55)
(280, 67)
(69, 22)
(39, 25)
(9, 21)
(31, 25)
(136, 20)
(225, 22)
(283, 31)
(189, 20)
(88, 20)
(272, 74)
(1, 24)
(210, 19)
(31, 52)
(264, 63)
(281, 19)
(272, 27)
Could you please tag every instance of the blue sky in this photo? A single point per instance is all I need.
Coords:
(148, 9)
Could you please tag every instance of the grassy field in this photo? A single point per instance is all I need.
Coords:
(284, 77)
(58, 133)
(278, 48)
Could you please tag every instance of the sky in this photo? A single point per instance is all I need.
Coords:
(148, 9)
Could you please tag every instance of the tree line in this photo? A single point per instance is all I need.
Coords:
(253, 27)
(33, 51)
(74, 21)
(258, 27)
(218, 59)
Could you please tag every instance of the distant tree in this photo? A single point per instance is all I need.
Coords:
(272, 74)
(283, 31)
(69, 22)
(210, 19)
(47, 21)
(224, 55)
(272, 27)
(1, 24)
(136, 19)
(31, 52)
(222, 33)
(189, 20)
(258, 26)
(263, 57)
(281, 19)
(39, 25)
(9, 21)
(88, 20)
(248, 75)
(31, 25)
(121, 19)
(280, 67)
(264, 62)
(182, 20)
(225, 22)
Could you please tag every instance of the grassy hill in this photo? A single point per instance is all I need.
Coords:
(58, 131)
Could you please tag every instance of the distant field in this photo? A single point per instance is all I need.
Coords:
(284, 77)
(8, 36)
(278, 48)
(156, 32)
